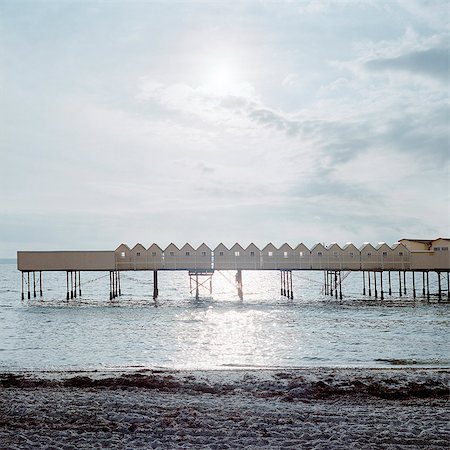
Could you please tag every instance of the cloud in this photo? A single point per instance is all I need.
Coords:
(433, 62)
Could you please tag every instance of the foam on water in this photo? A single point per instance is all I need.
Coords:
(218, 330)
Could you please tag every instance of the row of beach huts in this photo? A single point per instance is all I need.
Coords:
(406, 254)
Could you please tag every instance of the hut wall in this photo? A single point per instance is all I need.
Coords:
(76, 260)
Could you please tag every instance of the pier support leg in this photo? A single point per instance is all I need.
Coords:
(40, 283)
(67, 285)
(110, 286)
(364, 283)
(375, 283)
(79, 283)
(423, 284)
(335, 284)
(390, 288)
(404, 282)
(239, 284)
(414, 284)
(196, 287)
(428, 286)
(400, 283)
(71, 284)
(118, 279)
(34, 284)
(23, 294)
(28, 284)
(381, 285)
(370, 290)
(75, 285)
(155, 284)
(340, 285)
(448, 286)
(439, 286)
(292, 289)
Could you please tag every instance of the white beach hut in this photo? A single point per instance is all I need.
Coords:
(223, 260)
(269, 257)
(350, 257)
(203, 255)
(287, 257)
(303, 255)
(171, 256)
(319, 257)
(139, 257)
(123, 257)
(155, 257)
(335, 257)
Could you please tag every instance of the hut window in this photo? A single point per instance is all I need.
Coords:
(270, 253)
(203, 253)
(319, 253)
(153, 253)
(252, 253)
(122, 254)
(285, 254)
(444, 249)
(351, 254)
(400, 253)
(436, 249)
(236, 253)
(220, 253)
(335, 254)
(384, 253)
(138, 253)
(301, 254)
(172, 254)
(369, 254)
(188, 254)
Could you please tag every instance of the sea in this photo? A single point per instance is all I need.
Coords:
(218, 330)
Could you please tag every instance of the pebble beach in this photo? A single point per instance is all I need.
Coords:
(311, 408)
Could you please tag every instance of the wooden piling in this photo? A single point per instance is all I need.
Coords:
(439, 286)
(375, 283)
(414, 284)
(340, 285)
(79, 283)
(71, 284)
(390, 287)
(423, 284)
(67, 285)
(155, 285)
(23, 294)
(364, 283)
(40, 283)
(404, 282)
(34, 284)
(428, 285)
(381, 285)
(368, 280)
(28, 284)
(75, 285)
(292, 290)
(400, 283)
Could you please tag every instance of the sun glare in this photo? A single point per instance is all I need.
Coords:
(221, 78)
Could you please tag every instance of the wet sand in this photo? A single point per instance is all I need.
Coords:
(243, 409)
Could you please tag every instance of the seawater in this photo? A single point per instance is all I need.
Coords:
(216, 331)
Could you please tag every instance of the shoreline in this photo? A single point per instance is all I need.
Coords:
(323, 408)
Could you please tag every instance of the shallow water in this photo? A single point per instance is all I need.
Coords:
(218, 330)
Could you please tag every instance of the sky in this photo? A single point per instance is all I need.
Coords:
(222, 121)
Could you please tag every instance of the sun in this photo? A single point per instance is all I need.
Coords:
(221, 78)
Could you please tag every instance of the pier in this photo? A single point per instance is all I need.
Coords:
(378, 265)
